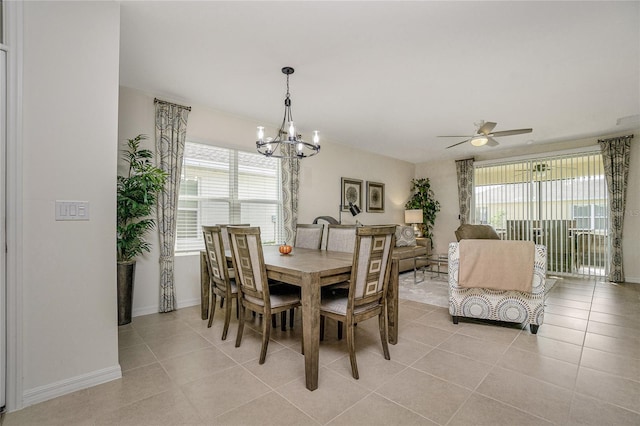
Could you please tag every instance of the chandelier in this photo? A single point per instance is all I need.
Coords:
(287, 143)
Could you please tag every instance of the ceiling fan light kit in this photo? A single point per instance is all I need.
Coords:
(485, 135)
(479, 140)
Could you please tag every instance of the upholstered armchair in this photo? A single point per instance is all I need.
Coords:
(507, 298)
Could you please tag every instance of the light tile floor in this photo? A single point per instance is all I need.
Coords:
(583, 367)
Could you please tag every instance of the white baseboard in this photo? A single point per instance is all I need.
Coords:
(154, 309)
(66, 386)
(188, 302)
(632, 280)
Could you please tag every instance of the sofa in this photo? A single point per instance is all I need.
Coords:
(492, 300)
(408, 247)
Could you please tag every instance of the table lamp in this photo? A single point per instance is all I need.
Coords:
(414, 217)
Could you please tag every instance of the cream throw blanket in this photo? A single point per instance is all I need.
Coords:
(496, 264)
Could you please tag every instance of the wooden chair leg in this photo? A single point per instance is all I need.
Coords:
(240, 326)
(352, 349)
(273, 320)
(227, 320)
(237, 308)
(339, 330)
(221, 302)
(454, 318)
(534, 328)
(212, 310)
(291, 313)
(302, 342)
(283, 321)
(321, 328)
(383, 335)
(266, 330)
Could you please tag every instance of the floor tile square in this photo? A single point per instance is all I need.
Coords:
(427, 395)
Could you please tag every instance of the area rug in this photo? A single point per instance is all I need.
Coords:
(429, 291)
(434, 291)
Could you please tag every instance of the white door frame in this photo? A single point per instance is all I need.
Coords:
(13, 39)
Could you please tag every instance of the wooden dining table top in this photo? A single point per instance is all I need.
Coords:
(305, 261)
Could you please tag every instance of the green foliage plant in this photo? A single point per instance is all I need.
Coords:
(423, 198)
(136, 200)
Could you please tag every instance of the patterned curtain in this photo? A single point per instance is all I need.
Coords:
(171, 131)
(464, 169)
(615, 156)
(290, 183)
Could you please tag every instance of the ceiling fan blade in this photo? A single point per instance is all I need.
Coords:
(459, 143)
(511, 132)
(451, 136)
(492, 142)
(486, 128)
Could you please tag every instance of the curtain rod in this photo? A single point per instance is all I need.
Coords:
(160, 101)
(617, 137)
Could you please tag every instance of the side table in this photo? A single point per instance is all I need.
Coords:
(438, 260)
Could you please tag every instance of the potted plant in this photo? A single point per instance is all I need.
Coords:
(423, 199)
(137, 194)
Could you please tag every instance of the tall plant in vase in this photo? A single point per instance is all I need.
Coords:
(137, 193)
(422, 198)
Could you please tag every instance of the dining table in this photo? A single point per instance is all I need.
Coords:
(312, 269)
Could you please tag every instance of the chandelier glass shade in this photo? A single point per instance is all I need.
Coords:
(287, 143)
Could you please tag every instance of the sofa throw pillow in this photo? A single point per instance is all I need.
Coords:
(405, 236)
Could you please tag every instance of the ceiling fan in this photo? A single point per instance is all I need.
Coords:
(485, 135)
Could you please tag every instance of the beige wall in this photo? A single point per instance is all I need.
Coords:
(70, 122)
(319, 184)
(443, 179)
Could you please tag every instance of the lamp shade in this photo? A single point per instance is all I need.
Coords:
(413, 216)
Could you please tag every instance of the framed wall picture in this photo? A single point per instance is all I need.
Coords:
(351, 192)
(375, 197)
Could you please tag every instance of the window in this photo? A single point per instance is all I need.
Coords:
(591, 216)
(556, 201)
(220, 185)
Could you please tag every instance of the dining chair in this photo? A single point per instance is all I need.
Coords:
(367, 288)
(225, 239)
(221, 283)
(253, 285)
(341, 238)
(309, 236)
(225, 244)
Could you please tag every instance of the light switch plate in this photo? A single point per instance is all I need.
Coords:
(72, 210)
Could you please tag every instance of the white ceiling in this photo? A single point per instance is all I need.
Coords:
(389, 77)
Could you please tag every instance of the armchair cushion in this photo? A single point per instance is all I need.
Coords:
(476, 232)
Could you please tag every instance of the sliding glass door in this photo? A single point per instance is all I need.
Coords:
(559, 201)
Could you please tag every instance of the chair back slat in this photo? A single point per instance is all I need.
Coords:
(248, 262)
(309, 236)
(225, 233)
(341, 238)
(216, 259)
(371, 264)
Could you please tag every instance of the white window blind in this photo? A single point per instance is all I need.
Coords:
(222, 186)
(561, 202)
